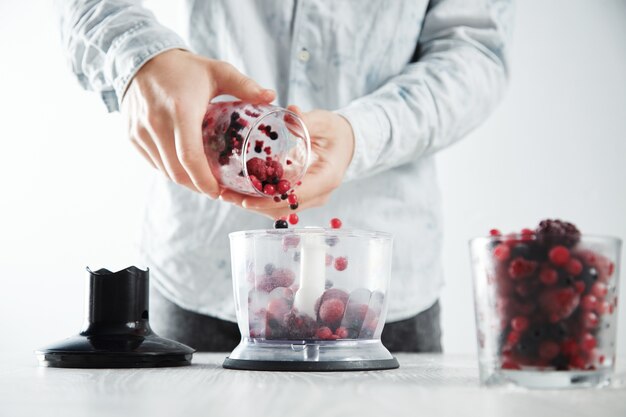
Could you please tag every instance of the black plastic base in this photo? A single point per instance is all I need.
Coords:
(111, 360)
(303, 366)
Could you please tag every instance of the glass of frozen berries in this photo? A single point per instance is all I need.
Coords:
(311, 294)
(259, 150)
(546, 306)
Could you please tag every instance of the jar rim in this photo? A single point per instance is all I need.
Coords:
(313, 230)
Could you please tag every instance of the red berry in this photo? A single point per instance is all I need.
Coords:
(256, 183)
(288, 162)
(509, 364)
(283, 186)
(599, 289)
(519, 323)
(574, 267)
(521, 268)
(293, 218)
(341, 263)
(579, 286)
(494, 232)
(331, 311)
(277, 199)
(513, 338)
(256, 167)
(588, 342)
(267, 150)
(548, 350)
(293, 199)
(269, 189)
(577, 362)
(324, 333)
(602, 307)
(588, 302)
(590, 320)
(559, 255)
(569, 348)
(548, 276)
(559, 303)
(335, 223)
(502, 252)
(342, 333)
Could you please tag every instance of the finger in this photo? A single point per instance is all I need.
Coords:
(232, 197)
(230, 81)
(143, 153)
(144, 140)
(190, 152)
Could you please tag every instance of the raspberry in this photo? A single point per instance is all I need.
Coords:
(283, 186)
(293, 199)
(269, 189)
(281, 224)
(559, 303)
(256, 167)
(293, 218)
(341, 263)
(557, 232)
(548, 276)
(335, 223)
(278, 169)
(519, 323)
(559, 255)
(300, 326)
(324, 333)
(574, 267)
(521, 268)
(342, 333)
(331, 311)
(502, 252)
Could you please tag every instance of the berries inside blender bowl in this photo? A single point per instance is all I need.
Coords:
(551, 298)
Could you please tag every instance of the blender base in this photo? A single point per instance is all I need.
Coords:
(310, 366)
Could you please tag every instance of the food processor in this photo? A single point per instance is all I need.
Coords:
(310, 299)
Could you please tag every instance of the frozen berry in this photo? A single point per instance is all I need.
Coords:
(267, 150)
(548, 350)
(521, 268)
(324, 333)
(293, 218)
(341, 263)
(588, 342)
(293, 199)
(548, 276)
(557, 232)
(283, 186)
(277, 199)
(590, 320)
(281, 224)
(294, 206)
(256, 167)
(283, 197)
(579, 286)
(342, 333)
(269, 269)
(502, 252)
(599, 289)
(519, 323)
(273, 135)
(588, 302)
(278, 169)
(269, 189)
(335, 223)
(494, 232)
(559, 303)
(574, 267)
(559, 255)
(329, 259)
(331, 311)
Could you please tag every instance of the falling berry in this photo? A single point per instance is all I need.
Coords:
(494, 232)
(293, 218)
(281, 224)
(341, 263)
(294, 206)
(293, 199)
(335, 223)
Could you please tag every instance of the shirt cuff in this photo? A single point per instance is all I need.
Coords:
(131, 51)
(371, 129)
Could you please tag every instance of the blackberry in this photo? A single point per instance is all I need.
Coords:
(281, 224)
(557, 232)
(269, 269)
(273, 135)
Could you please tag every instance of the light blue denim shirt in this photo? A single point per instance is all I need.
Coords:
(411, 76)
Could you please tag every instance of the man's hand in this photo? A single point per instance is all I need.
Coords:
(332, 146)
(164, 106)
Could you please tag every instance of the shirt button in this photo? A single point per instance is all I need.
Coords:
(304, 55)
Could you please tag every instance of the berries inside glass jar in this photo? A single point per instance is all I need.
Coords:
(553, 297)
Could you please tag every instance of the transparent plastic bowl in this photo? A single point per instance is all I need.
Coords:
(545, 321)
(235, 132)
(310, 295)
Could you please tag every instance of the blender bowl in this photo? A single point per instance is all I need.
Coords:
(310, 299)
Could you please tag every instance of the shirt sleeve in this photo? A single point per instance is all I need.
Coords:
(455, 80)
(107, 41)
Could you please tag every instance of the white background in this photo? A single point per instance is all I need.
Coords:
(72, 187)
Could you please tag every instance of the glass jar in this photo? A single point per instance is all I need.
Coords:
(259, 150)
(546, 314)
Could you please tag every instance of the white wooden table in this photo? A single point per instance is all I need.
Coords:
(425, 385)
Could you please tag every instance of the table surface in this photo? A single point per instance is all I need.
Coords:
(425, 385)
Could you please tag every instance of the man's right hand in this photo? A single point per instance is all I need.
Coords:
(164, 106)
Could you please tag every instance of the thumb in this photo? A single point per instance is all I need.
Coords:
(232, 82)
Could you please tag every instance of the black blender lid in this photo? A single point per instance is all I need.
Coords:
(117, 333)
